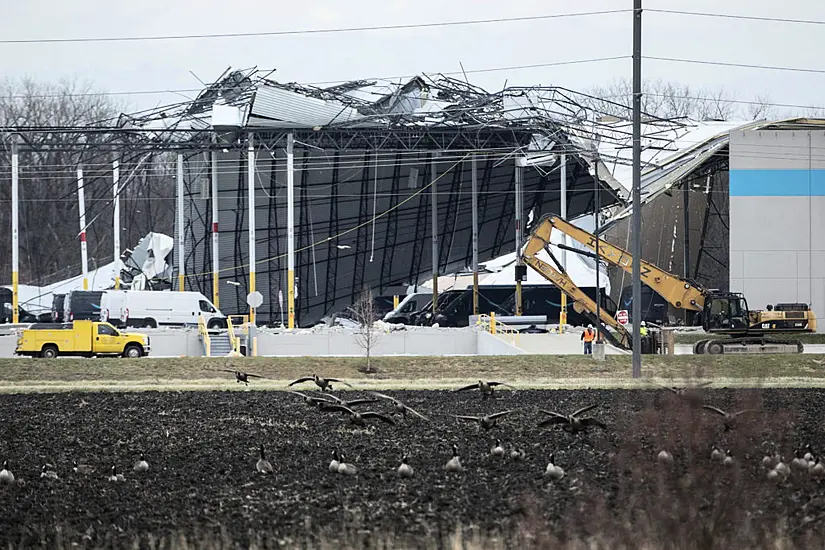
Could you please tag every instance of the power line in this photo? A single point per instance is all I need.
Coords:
(308, 31)
(741, 65)
(737, 16)
(388, 78)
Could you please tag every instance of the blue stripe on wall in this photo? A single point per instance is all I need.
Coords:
(777, 183)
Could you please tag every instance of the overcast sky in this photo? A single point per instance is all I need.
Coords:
(165, 65)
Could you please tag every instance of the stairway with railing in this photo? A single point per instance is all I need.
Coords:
(218, 343)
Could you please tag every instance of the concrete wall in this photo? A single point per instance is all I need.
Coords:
(777, 217)
(495, 345)
(435, 342)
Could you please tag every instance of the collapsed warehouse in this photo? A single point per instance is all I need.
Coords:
(376, 183)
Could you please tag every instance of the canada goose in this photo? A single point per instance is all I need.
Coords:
(141, 465)
(454, 464)
(405, 470)
(311, 400)
(263, 464)
(782, 469)
(799, 463)
(497, 450)
(345, 468)
(357, 418)
(82, 468)
(241, 376)
(773, 475)
(331, 399)
(488, 421)
(6, 477)
(716, 454)
(486, 388)
(116, 476)
(333, 465)
(572, 423)
(517, 454)
(817, 469)
(728, 461)
(47, 471)
(552, 471)
(399, 407)
(808, 453)
(728, 419)
(688, 393)
(664, 457)
(771, 461)
(323, 383)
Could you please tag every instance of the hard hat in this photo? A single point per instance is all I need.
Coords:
(589, 326)
(643, 324)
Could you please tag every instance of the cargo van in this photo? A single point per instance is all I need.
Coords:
(58, 307)
(154, 308)
(82, 305)
(410, 304)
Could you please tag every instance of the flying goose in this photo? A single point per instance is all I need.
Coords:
(488, 421)
(573, 422)
(486, 388)
(357, 418)
(728, 419)
(323, 383)
(242, 377)
(399, 407)
(689, 393)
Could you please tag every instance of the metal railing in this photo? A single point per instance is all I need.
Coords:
(207, 343)
(497, 328)
(234, 340)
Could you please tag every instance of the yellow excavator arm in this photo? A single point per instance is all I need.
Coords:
(677, 291)
(566, 285)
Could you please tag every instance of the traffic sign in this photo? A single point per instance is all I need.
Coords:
(622, 317)
(255, 299)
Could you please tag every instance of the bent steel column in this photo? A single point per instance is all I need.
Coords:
(251, 207)
(290, 229)
(81, 206)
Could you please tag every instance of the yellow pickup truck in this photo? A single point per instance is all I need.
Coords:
(83, 338)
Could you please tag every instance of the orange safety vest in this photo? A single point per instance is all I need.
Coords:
(589, 335)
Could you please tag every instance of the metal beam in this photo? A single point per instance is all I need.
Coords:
(519, 172)
(563, 212)
(434, 226)
(216, 269)
(474, 181)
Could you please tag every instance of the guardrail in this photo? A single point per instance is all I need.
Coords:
(207, 343)
(234, 340)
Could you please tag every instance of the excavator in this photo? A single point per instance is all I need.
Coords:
(724, 315)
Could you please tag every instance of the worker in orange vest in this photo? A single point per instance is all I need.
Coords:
(587, 337)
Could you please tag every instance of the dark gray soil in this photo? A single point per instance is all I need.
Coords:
(202, 450)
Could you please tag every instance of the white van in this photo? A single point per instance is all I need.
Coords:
(411, 303)
(150, 309)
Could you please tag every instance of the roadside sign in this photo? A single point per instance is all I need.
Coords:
(622, 317)
(255, 299)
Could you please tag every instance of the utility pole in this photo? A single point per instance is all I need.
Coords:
(116, 220)
(15, 230)
(81, 205)
(181, 233)
(637, 187)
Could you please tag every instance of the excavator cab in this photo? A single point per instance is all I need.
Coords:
(726, 313)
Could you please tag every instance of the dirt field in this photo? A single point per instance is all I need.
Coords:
(202, 483)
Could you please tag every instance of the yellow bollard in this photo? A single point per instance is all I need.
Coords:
(492, 322)
(395, 301)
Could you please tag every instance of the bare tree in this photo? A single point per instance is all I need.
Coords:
(663, 99)
(365, 314)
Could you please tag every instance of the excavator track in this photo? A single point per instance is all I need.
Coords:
(747, 345)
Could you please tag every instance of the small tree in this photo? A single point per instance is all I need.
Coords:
(364, 314)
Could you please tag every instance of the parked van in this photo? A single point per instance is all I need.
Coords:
(58, 307)
(410, 304)
(154, 308)
(82, 305)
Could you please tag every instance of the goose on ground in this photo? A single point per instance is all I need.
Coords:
(336, 459)
(728, 461)
(454, 464)
(141, 465)
(6, 476)
(82, 468)
(263, 466)
(405, 470)
(553, 471)
(716, 454)
(345, 468)
(517, 454)
(48, 472)
(799, 463)
(664, 457)
(116, 476)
